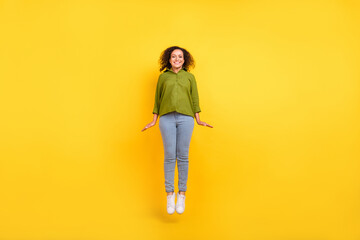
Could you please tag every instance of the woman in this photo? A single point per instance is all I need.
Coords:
(176, 104)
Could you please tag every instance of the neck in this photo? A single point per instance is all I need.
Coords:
(176, 70)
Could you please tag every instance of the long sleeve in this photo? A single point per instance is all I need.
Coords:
(195, 95)
(157, 98)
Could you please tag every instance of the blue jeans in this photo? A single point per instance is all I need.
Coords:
(176, 130)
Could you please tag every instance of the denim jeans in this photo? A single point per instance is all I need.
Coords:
(176, 130)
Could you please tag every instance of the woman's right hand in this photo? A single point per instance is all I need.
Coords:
(148, 126)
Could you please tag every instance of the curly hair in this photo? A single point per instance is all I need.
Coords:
(189, 61)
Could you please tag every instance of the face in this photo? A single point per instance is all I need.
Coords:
(177, 59)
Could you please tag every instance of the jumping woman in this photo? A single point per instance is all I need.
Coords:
(176, 105)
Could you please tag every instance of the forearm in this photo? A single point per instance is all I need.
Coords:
(155, 117)
(197, 117)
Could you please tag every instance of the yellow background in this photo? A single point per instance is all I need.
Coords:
(278, 80)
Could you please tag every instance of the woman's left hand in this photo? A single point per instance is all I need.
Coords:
(204, 124)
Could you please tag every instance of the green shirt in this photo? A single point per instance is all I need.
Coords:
(176, 92)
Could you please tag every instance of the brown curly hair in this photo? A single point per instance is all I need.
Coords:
(189, 61)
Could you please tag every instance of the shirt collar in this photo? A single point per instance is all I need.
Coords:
(170, 70)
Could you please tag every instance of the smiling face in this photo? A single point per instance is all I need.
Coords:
(177, 59)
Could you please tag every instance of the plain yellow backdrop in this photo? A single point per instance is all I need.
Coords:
(278, 80)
